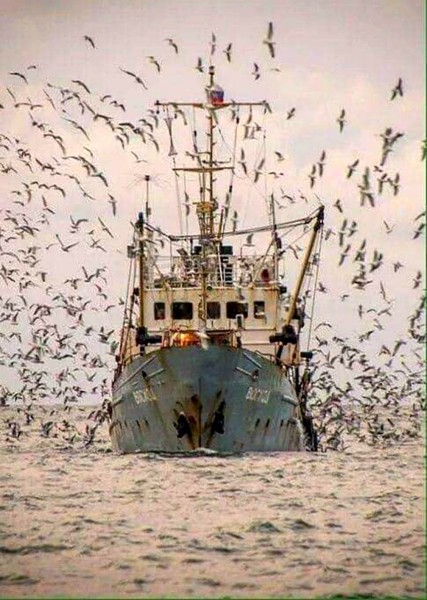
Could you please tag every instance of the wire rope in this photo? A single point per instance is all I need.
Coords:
(315, 287)
(124, 337)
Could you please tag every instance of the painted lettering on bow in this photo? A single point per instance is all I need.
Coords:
(256, 395)
(144, 396)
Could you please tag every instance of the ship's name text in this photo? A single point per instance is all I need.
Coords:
(144, 396)
(257, 395)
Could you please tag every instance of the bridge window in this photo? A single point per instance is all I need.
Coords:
(182, 310)
(259, 309)
(236, 308)
(213, 310)
(159, 311)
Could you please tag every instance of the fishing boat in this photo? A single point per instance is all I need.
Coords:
(210, 352)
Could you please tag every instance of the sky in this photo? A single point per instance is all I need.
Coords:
(330, 55)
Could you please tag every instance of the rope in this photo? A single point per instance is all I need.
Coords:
(186, 196)
(178, 197)
(269, 212)
(284, 225)
(232, 172)
(123, 339)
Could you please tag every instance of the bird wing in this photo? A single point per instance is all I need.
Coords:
(90, 40)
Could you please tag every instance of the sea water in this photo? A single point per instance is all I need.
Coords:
(87, 522)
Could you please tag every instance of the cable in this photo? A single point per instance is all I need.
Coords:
(123, 338)
(178, 198)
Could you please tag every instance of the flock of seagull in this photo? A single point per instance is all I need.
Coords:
(55, 337)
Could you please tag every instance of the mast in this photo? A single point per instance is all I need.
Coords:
(140, 229)
(210, 156)
(147, 198)
(205, 210)
(206, 207)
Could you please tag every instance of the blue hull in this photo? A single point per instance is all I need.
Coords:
(225, 399)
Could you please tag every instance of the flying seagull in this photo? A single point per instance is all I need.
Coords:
(290, 113)
(89, 40)
(136, 77)
(269, 40)
(19, 75)
(173, 44)
(341, 120)
(227, 52)
(397, 90)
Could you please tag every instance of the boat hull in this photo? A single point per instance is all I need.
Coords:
(226, 399)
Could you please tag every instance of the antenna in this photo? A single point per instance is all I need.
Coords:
(147, 199)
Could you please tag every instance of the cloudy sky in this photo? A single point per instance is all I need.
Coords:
(330, 55)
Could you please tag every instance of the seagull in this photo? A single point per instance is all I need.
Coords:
(341, 120)
(227, 52)
(418, 231)
(89, 40)
(234, 220)
(213, 44)
(351, 168)
(154, 62)
(19, 75)
(290, 114)
(75, 224)
(344, 255)
(395, 184)
(312, 176)
(172, 43)
(249, 240)
(397, 90)
(242, 161)
(77, 126)
(269, 40)
(388, 228)
(255, 72)
(63, 247)
(199, 66)
(105, 228)
(321, 163)
(381, 181)
(136, 77)
(338, 206)
(83, 85)
(101, 177)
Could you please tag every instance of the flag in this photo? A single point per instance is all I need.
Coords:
(216, 96)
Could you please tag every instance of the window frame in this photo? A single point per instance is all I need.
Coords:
(159, 306)
(242, 308)
(217, 306)
(259, 316)
(182, 303)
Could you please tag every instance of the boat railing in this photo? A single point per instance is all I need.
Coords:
(223, 270)
(129, 357)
